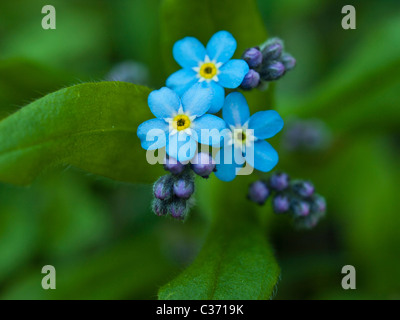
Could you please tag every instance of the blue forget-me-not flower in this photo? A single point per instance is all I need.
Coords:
(211, 65)
(245, 141)
(179, 121)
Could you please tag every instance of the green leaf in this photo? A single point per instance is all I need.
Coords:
(201, 19)
(236, 261)
(91, 126)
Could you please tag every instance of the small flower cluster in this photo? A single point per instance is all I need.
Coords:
(173, 192)
(185, 110)
(267, 63)
(297, 198)
(186, 117)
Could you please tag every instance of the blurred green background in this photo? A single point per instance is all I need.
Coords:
(101, 235)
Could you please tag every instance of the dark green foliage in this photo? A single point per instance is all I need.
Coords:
(90, 126)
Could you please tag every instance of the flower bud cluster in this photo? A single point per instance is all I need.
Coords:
(173, 192)
(267, 63)
(296, 198)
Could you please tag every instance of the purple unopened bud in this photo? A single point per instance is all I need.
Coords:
(174, 166)
(288, 61)
(281, 204)
(253, 57)
(300, 208)
(251, 80)
(318, 204)
(183, 189)
(306, 222)
(258, 192)
(178, 209)
(303, 188)
(272, 50)
(309, 221)
(279, 181)
(272, 71)
(162, 188)
(159, 207)
(203, 164)
(317, 211)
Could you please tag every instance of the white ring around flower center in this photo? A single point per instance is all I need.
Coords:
(241, 136)
(207, 70)
(175, 127)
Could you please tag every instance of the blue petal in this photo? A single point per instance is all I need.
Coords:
(235, 111)
(182, 80)
(227, 170)
(263, 158)
(197, 100)
(188, 52)
(181, 147)
(232, 73)
(221, 46)
(219, 97)
(265, 124)
(209, 130)
(152, 134)
(164, 103)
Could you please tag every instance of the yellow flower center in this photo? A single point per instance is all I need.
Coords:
(208, 70)
(240, 136)
(181, 122)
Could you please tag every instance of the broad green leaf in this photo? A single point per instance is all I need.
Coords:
(22, 80)
(236, 261)
(91, 126)
(201, 19)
